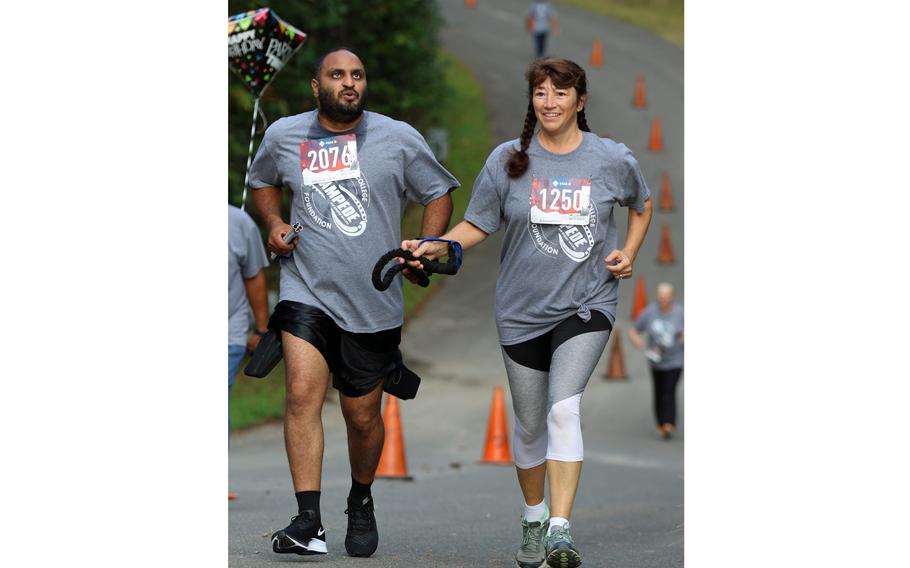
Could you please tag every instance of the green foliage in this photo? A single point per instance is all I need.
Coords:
(257, 401)
(395, 39)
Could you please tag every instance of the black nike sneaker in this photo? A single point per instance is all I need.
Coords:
(304, 535)
(363, 536)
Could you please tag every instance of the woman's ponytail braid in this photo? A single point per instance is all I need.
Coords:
(518, 161)
(582, 121)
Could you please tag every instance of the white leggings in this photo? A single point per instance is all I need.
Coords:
(547, 405)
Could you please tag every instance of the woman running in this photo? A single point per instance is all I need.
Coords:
(553, 195)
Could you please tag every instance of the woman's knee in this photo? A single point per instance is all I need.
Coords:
(565, 415)
(564, 430)
(530, 446)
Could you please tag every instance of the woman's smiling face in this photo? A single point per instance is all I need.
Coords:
(556, 109)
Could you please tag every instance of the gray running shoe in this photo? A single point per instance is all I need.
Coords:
(560, 549)
(530, 553)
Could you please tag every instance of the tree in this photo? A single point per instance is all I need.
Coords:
(395, 39)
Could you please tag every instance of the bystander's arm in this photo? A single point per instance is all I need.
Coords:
(636, 338)
(257, 292)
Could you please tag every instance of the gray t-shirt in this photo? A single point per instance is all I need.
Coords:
(664, 334)
(347, 223)
(549, 272)
(540, 13)
(246, 257)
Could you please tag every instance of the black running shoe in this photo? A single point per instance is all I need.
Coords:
(363, 536)
(304, 535)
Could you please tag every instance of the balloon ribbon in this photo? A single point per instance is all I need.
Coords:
(249, 154)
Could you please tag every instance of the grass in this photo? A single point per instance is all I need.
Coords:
(664, 17)
(256, 401)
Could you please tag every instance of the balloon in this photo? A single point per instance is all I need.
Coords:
(259, 45)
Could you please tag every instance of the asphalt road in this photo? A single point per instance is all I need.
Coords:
(458, 512)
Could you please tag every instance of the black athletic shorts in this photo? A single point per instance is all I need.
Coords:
(537, 352)
(359, 362)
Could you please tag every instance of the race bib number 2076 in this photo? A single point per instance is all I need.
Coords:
(565, 201)
(329, 159)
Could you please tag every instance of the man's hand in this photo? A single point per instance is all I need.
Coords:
(276, 239)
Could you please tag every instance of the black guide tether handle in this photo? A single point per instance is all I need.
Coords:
(382, 283)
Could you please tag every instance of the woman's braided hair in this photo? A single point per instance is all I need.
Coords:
(564, 74)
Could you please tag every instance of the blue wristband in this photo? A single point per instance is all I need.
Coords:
(456, 245)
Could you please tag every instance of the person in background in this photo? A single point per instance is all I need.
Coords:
(662, 321)
(246, 289)
(540, 20)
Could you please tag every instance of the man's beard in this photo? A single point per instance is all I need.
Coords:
(337, 110)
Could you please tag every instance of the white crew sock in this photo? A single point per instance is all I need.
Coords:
(536, 512)
(557, 522)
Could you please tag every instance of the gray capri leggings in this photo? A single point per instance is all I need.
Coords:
(547, 377)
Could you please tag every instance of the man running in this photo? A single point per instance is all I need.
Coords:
(350, 173)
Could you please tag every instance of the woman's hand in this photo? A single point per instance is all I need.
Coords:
(430, 250)
(619, 264)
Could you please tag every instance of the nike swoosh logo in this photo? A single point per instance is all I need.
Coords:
(321, 531)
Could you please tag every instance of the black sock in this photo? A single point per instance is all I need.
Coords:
(307, 500)
(359, 491)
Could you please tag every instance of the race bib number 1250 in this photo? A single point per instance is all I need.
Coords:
(329, 159)
(560, 201)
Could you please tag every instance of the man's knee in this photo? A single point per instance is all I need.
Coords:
(307, 376)
(363, 423)
(305, 394)
(300, 401)
(362, 414)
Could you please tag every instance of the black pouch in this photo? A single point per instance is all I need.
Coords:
(402, 383)
(266, 355)
(360, 365)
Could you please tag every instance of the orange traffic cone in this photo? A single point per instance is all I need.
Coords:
(640, 100)
(496, 450)
(656, 143)
(392, 462)
(616, 369)
(470, 3)
(597, 55)
(231, 495)
(666, 196)
(665, 256)
(641, 298)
